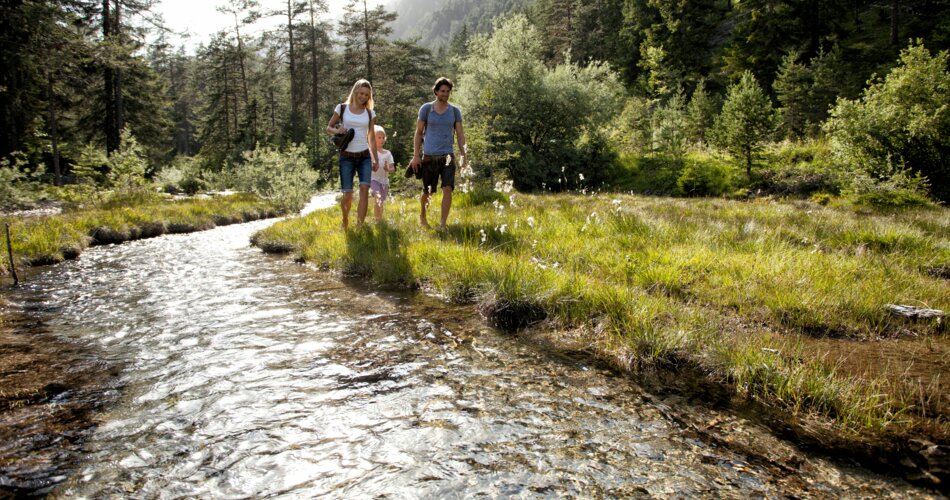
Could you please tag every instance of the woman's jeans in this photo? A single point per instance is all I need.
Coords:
(351, 166)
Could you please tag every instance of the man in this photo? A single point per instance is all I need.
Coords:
(438, 122)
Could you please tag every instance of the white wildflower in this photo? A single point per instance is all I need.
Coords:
(531, 222)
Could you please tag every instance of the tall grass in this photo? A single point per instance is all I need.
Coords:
(53, 238)
(706, 282)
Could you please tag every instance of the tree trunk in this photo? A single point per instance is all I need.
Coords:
(314, 84)
(237, 33)
(369, 57)
(894, 12)
(53, 130)
(294, 98)
(748, 162)
(119, 98)
(112, 136)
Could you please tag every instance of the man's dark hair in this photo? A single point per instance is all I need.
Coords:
(440, 82)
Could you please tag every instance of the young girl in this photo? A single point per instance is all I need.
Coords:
(380, 182)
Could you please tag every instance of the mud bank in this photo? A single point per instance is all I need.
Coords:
(916, 458)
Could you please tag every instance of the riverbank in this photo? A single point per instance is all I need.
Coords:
(782, 303)
(54, 237)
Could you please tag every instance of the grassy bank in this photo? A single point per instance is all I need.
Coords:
(48, 239)
(741, 291)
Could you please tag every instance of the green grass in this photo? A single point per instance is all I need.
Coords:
(54, 238)
(716, 284)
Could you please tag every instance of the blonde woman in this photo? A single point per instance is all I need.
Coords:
(359, 156)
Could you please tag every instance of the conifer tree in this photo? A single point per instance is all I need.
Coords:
(747, 120)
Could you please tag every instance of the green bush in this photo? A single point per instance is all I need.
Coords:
(703, 179)
(900, 123)
(127, 165)
(543, 134)
(283, 177)
(646, 175)
(669, 126)
(800, 169)
(19, 186)
(898, 189)
(183, 175)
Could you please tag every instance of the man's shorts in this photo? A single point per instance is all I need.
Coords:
(434, 167)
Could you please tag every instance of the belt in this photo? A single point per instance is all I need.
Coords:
(360, 154)
(436, 157)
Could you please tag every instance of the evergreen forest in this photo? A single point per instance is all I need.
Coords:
(798, 98)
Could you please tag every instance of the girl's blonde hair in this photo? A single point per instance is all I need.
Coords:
(380, 130)
(362, 82)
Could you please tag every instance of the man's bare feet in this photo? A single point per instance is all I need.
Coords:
(424, 223)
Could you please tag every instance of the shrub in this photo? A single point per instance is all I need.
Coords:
(800, 169)
(669, 125)
(901, 122)
(703, 179)
(18, 185)
(630, 129)
(127, 165)
(183, 175)
(544, 130)
(897, 189)
(284, 178)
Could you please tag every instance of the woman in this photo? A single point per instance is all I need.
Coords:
(359, 157)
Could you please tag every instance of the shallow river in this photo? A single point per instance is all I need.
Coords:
(245, 375)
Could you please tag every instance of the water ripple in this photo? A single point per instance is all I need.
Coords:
(249, 376)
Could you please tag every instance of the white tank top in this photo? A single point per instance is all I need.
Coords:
(360, 124)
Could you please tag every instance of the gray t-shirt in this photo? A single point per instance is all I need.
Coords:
(440, 130)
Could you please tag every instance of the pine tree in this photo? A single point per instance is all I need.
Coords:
(746, 122)
(364, 33)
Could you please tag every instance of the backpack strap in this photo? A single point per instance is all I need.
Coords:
(429, 112)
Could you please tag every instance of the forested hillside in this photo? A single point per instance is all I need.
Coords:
(707, 97)
(434, 23)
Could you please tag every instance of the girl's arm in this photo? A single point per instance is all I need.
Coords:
(371, 136)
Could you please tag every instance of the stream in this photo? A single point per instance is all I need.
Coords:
(243, 375)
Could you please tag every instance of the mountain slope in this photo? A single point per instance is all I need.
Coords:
(435, 21)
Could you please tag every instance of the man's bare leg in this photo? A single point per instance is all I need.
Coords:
(446, 205)
(424, 202)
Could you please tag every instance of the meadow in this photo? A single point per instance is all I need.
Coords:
(783, 301)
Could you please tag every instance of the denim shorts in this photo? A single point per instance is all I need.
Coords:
(349, 167)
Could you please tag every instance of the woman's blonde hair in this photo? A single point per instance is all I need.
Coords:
(362, 82)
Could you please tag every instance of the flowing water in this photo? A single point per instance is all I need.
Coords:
(244, 375)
